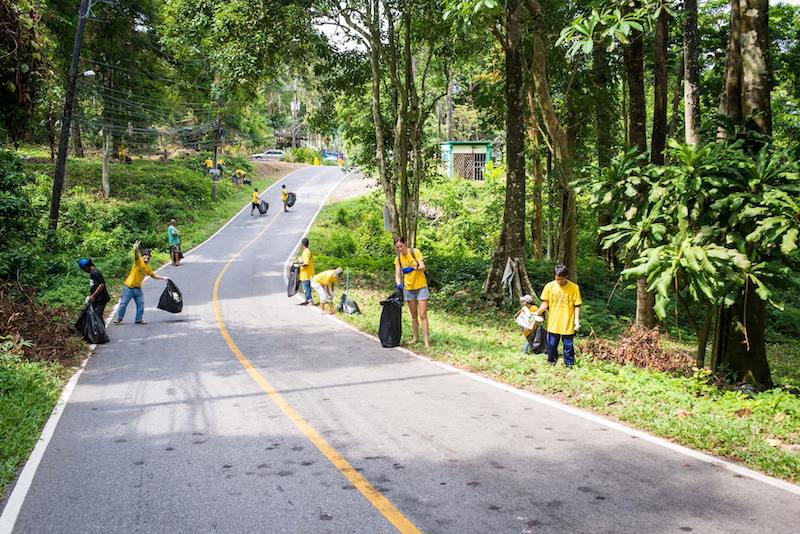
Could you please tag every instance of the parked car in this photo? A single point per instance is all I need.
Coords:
(327, 155)
(272, 154)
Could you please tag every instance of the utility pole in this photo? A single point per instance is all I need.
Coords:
(215, 172)
(66, 120)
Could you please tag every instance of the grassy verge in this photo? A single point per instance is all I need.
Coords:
(759, 430)
(28, 393)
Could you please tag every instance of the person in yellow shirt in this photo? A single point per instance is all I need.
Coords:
(133, 284)
(562, 301)
(208, 164)
(323, 284)
(284, 196)
(409, 275)
(255, 200)
(239, 174)
(306, 271)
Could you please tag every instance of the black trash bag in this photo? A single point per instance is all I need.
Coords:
(291, 198)
(294, 280)
(347, 305)
(263, 207)
(171, 299)
(91, 326)
(391, 326)
(537, 340)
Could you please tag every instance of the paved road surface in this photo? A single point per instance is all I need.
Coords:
(167, 431)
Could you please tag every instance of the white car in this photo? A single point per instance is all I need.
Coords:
(273, 154)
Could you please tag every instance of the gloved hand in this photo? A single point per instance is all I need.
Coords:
(399, 286)
(577, 324)
(407, 270)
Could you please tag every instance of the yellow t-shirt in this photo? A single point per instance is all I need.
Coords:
(284, 194)
(307, 270)
(415, 279)
(561, 306)
(255, 198)
(326, 278)
(208, 163)
(139, 270)
(240, 173)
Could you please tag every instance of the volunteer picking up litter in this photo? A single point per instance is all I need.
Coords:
(174, 240)
(323, 284)
(255, 200)
(285, 197)
(306, 262)
(98, 292)
(133, 284)
(561, 299)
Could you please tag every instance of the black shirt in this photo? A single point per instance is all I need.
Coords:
(95, 279)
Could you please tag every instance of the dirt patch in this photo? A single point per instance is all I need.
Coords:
(49, 330)
(269, 170)
(640, 347)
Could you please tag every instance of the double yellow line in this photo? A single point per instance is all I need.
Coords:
(376, 498)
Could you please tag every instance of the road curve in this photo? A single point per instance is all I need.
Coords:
(170, 430)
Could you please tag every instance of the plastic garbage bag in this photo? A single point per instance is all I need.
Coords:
(91, 326)
(291, 198)
(263, 207)
(346, 304)
(391, 327)
(294, 280)
(537, 340)
(171, 299)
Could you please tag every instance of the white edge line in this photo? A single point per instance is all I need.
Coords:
(713, 460)
(23, 482)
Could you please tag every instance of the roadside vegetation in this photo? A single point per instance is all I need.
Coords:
(662, 392)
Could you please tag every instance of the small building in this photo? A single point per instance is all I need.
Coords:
(465, 158)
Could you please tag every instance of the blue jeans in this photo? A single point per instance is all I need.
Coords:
(307, 289)
(129, 293)
(552, 348)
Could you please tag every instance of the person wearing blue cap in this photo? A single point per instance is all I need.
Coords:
(98, 292)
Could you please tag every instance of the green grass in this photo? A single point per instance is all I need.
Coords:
(28, 393)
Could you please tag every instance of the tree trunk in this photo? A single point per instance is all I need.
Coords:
(76, 137)
(658, 140)
(511, 238)
(564, 156)
(377, 119)
(537, 232)
(633, 57)
(676, 102)
(449, 104)
(691, 75)
(731, 100)
(755, 63)
(551, 208)
(637, 135)
(702, 337)
(604, 118)
(51, 135)
(739, 344)
(106, 156)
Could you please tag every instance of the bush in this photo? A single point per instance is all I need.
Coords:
(302, 155)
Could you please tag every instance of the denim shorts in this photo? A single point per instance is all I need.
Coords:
(417, 294)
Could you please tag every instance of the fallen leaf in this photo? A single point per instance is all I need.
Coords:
(681, 413)
(743, 412)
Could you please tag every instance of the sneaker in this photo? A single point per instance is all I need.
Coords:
(117, 320)
(141, 322)
(552, 364)
(305, 303)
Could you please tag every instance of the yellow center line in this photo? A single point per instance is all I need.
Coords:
(376, 498)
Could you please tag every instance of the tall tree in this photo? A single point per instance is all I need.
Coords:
(658, 141)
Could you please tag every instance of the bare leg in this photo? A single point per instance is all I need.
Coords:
(412, 307)
(423, 317)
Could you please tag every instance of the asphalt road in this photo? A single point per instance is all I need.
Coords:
(170, 430)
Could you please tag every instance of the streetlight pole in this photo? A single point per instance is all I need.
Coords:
(66, 120)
